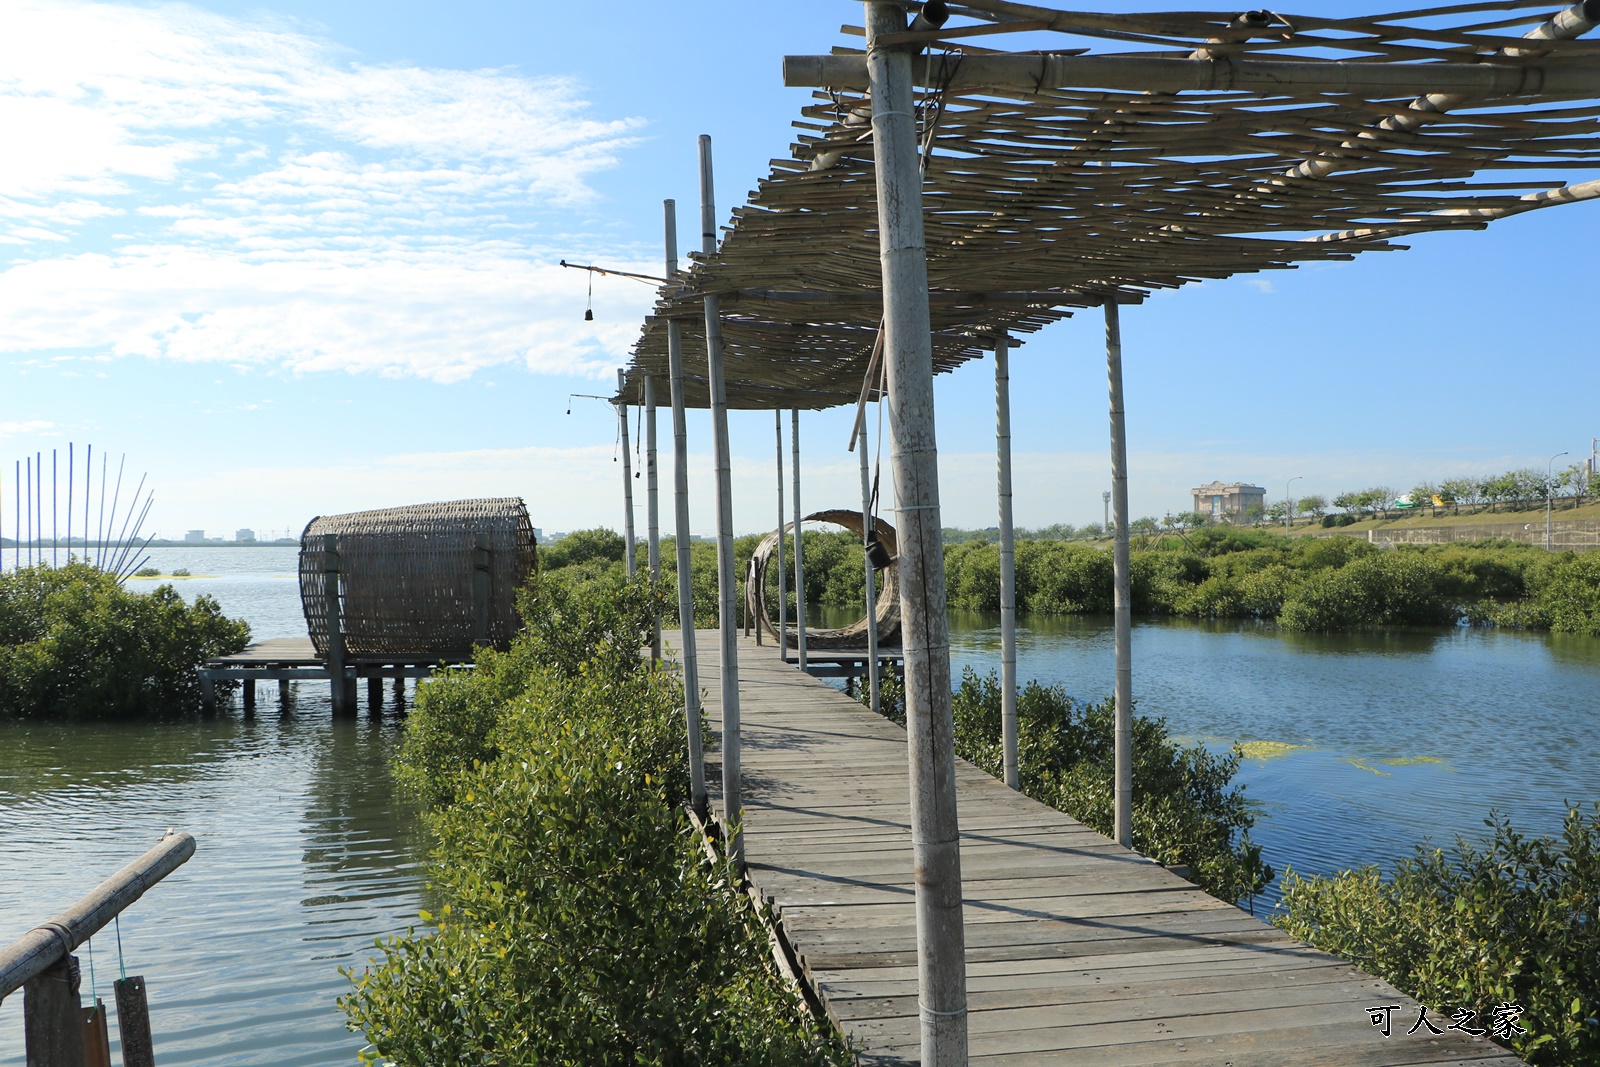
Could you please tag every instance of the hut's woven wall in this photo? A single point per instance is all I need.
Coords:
(407, 577)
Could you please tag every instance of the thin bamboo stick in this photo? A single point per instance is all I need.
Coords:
(627, 479)
(1008, 564)
(652, 504)
(1123, 595)
(799, 549)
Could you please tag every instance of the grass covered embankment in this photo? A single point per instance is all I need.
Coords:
(74, 644)
(578, 921)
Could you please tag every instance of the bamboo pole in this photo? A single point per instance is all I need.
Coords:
(1123, 605)
(783, 577)
(652, 504)
(727, 621)
(627, 481)
(681, 540)
(1008, 563)
(799, 548)
(908, 352)
(871, 593)
(1569, 76)
(29, 955)
(335, 625)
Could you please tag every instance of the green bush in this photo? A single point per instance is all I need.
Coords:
(1568, 593)
(75, 644)
(581, 922)
(1184, 809)
(1517, 921)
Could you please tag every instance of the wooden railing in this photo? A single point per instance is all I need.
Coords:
(40, 963)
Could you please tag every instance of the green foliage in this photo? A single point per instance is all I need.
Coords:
(1515, 922)
(1568, 592)
(74, 644)
(1184, 809)
(581, 922)
(147, 572)
(583, 546)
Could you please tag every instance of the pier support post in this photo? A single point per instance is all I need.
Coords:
(1123, 603)
(799, 547)
(208, 693)
(283, 692)
(783, 576)
(681, 539)
(375, 695)
(52, 1017)
(652, 504)
(627, 480)
(908, 351)
(248, 692)
(728, 622)
(868, 532)
(341, 692)
(1008, 562)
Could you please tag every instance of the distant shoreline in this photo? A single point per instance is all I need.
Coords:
(9, 543)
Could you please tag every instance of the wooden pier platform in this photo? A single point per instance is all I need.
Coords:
(291, 659)
(1079, 951)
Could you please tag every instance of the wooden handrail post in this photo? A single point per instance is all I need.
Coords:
(52, 1016)
(335, 624)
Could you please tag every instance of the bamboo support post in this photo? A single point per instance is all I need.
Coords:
(482, 586)
(627, 481)
(799, 548)
(783, 577)
(652, 505)
(1123, 602)
(868, 532)
(732, 802)
(1008, 563)
(680, 507)
(908, 351)
(336, 666)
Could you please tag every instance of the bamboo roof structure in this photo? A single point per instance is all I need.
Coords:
(1132, 153)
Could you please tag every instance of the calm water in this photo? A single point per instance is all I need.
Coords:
(1406, 736)
(306, 855)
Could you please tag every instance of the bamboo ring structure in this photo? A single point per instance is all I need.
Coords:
(852, 636)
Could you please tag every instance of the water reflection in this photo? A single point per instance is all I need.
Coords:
(305, 855)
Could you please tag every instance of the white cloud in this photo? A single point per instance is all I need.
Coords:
(282, 206)
(18, 429)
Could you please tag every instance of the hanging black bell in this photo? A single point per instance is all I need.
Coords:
(588, 314)
(877, 555)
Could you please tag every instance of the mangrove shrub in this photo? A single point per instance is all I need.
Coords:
(1516, 922)
(74, 644)
(579, 921)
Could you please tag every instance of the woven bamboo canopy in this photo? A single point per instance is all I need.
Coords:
(1136, 152)
(408, 576)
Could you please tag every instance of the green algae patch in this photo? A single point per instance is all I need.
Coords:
(1356, 761)
(1265, 750)
(1410, 761)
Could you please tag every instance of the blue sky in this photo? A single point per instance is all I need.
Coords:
(301, 258)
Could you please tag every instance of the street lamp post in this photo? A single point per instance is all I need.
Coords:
(1549, 491)
(1105, 498)
(1288, 502)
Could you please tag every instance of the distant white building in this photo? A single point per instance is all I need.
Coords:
(244, 535)
(1235, 498)
(195, 537)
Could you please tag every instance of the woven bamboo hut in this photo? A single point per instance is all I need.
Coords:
(422, 583)
(853, 636)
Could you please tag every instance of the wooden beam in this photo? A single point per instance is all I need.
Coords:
(1572, 76)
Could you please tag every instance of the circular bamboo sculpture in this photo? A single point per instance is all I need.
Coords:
(411, 578)
(853, 636)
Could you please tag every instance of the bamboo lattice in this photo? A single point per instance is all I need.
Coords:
(407, 576)
(1040, 197)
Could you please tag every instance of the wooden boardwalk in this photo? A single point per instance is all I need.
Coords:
(1078, 951)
